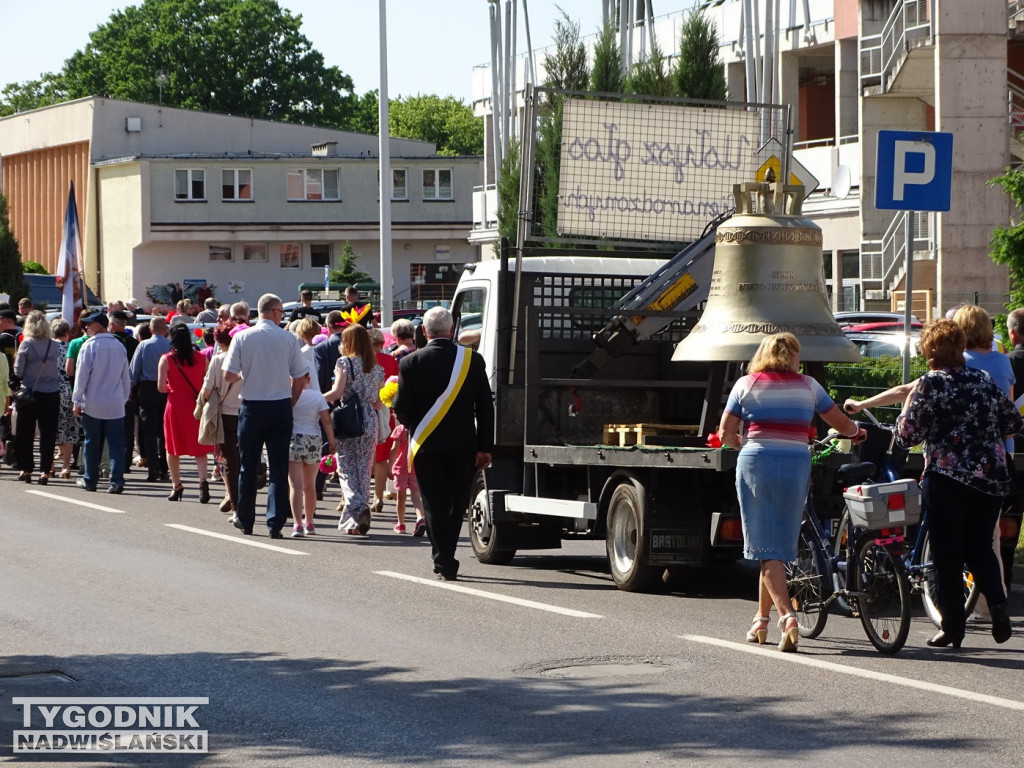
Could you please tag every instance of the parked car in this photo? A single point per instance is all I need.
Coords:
(883, 327)
(874, 345)
(847, 319)
(45, 294)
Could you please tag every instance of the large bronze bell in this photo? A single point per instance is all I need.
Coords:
(767, 279)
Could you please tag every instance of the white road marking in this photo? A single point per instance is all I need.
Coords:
(236, 539)
(100, 507)
(796, 658)
(490, 595)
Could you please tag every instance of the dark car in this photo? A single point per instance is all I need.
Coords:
(45, 294)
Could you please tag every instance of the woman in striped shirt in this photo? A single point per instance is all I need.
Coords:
(768, 419)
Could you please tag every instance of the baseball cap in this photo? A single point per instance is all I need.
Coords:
(96, 317)
(8, 314)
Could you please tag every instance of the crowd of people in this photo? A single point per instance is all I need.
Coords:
(105, 399)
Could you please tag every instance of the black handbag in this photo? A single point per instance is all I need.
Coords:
(347, 418)
(25, 396)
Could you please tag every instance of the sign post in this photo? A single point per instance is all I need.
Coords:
(913, 172)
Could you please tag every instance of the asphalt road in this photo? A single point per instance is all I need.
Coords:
(351, 654)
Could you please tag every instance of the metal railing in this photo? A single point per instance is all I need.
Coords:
(881, 261)
(880, 54)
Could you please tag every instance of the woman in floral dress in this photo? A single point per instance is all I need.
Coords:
(358, 372)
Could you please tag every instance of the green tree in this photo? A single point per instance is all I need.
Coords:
(445, 121)
(243, 57)
(651, 77)
(606, 74)
(699, 72)
(347, 272)
(566, 68)
(508, 194)
(12, 278)
(362, 116)
(1007, 245)
(32, 94)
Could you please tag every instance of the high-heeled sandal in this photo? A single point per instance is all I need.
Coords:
(177, 493)
(44, 478)
(65, 474)
(204, 492)
(25, 477)
(790, 633)
(758, 632)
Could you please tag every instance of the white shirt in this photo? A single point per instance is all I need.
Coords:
(306, 412)
(268, 358)
(102, 384)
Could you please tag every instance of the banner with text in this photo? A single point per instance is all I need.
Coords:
(654, 172)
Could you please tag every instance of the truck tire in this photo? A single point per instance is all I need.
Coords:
(625, 542)
(484, 536)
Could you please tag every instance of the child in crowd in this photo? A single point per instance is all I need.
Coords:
(405, 479)
(309, 413)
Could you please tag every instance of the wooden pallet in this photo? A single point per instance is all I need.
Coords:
(624, 435)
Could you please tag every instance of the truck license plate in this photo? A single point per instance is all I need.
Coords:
(675, 546)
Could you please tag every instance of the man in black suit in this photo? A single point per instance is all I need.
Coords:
(450, 448)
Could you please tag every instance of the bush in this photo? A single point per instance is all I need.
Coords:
(33, 268)
(867, 378)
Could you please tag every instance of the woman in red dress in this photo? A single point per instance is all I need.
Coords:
(180, 374)
(382, 454)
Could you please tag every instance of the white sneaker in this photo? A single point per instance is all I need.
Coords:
(297, 532)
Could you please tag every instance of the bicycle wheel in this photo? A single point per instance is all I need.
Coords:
(883, 595)
(842, 605)
(807, 584)
(928, 591)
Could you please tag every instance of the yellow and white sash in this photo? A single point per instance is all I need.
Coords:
(443, 404)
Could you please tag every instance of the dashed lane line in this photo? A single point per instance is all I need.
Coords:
(906, 682)
(236, 539)
(77, 502)
(490, 595)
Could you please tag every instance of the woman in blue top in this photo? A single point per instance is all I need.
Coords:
(768, 419)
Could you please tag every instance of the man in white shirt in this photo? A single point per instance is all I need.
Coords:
(267, 360)
(102, 386)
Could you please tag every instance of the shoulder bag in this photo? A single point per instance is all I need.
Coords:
(25, 395)
(347, 418)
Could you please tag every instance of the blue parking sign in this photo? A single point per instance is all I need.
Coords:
(914, 170)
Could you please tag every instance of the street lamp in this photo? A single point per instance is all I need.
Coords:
(162, 79)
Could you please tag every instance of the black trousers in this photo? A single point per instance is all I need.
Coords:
(44, 411)
(131, 408)
(961, 521)
(444, 480)
(151, 427)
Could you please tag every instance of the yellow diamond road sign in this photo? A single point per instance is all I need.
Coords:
(797, 173)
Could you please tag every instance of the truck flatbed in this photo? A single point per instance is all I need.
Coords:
(661, 456)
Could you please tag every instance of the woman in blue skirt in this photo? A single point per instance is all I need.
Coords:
(768, 419)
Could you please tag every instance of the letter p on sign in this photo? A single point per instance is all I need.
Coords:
(914, 171)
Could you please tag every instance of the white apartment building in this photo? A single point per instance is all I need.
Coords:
(170, 196)
(850, 68)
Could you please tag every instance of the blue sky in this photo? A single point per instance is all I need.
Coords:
(432, 46)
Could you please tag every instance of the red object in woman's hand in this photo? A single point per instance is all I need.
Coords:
(714, 441)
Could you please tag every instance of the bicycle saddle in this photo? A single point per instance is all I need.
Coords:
(851, 474)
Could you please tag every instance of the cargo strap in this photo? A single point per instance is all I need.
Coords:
(443, 404)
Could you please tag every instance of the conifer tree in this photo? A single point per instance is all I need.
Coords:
(606, 74)
(699, 72)
(12, 278)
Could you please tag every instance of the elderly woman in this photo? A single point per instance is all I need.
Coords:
(768, 418)
(229, 406)
(68, 428)
(963, 419)
(36, 365)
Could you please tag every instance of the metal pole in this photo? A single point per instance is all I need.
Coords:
(532, 76)
(513, 101)
(908, 292)
(495, 97)
(387, 293)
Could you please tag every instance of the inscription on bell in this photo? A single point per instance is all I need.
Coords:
(804, 287)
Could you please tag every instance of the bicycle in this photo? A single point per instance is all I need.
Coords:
(880, 449)
(870, 574)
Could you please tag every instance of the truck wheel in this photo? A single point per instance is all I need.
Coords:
(625, 544)
(484, 536)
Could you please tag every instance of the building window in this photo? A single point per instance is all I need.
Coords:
(433, 282)
(254, 252)
(220, 253)
(291, 255)
(399, 186)
(314, 184)
(236, 184)
(320, 255)
(189, 184)
(437, 184)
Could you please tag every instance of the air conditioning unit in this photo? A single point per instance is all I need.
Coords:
(133, 124)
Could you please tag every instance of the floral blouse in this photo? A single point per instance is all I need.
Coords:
(961, 416)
